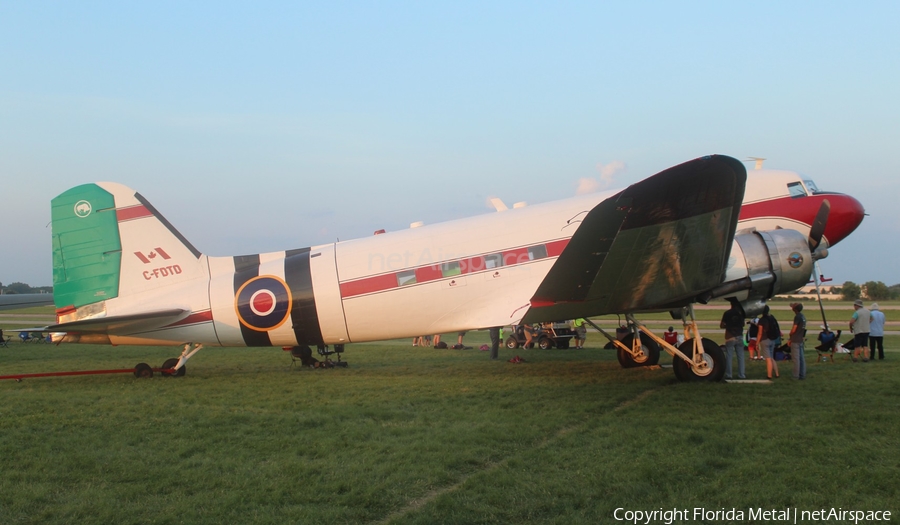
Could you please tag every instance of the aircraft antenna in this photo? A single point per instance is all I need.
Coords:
(758, 162)
(498, 204)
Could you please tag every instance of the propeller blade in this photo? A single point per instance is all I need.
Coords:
(818, 225)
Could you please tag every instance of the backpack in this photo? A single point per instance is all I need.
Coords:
(442, 345)
(773, 331)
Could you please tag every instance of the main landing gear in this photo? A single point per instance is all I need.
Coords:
(696, 359)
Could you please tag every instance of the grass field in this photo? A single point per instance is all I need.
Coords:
(412, 435)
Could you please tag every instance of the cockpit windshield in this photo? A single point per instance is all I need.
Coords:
(811, 187)
(796, 190)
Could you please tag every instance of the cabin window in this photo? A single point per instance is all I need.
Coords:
(450, 269)
(495, 260)
(537, 252)
(407, 277)
(796, 189)
(811, 187)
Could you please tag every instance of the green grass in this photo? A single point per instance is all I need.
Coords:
(411, 435)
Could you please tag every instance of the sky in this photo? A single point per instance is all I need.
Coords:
(264, 126)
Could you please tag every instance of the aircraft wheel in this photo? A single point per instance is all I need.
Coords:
(512, 343)
(712, 354)
(545, 343)
(170, 363)
(143, 370)
(649, 347)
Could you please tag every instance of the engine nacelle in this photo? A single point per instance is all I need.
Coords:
(762, 265)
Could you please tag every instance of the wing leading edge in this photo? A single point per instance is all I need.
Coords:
(655, 245)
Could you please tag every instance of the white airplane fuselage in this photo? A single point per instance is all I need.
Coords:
(473, 272)
(470, 273)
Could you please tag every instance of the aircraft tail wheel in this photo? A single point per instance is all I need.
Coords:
(512, 343)
(545, 343)
(648, 346)
(143, 370)
(170, 363)
(713, 356)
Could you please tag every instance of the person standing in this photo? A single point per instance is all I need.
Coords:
(580, 332)
(769, 332)
(798, 332)
(733, 323)
(529, 332)
(860, 323)
(876, 332)
(753, 340)
(495, 341)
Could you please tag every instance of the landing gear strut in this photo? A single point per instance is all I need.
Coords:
(697, 359)
(175, 367)
(170, 364)
(635, 349)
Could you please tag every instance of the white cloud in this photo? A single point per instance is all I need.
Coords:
(609, 171)
(607, 178)
(587, 185)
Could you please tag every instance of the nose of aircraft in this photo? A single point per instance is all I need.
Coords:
(846, 214)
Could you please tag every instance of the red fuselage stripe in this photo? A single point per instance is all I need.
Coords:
(434, 272)
(846, 212)
(199, 317)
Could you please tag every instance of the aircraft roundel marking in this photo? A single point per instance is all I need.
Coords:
(263, 303)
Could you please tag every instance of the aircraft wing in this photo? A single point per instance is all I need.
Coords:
(656, 245)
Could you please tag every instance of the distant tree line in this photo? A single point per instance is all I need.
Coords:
(873, 290)
(16, 288)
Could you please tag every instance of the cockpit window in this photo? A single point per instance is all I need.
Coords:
(796, 189)
(811, 186)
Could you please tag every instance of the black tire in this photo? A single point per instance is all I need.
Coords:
(545, 343)
(649, 346)
(170, 363)
(512, 343)
(143, 370)
(713, 355)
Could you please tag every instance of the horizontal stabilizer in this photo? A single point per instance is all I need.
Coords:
(122, 324)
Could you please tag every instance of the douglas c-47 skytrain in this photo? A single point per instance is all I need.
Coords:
(122, 274)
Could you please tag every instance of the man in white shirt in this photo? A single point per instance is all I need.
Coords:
(876, 332)
(859, 324)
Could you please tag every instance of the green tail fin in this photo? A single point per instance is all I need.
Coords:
(87, 251)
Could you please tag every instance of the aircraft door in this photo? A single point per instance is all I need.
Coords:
(327, 290)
